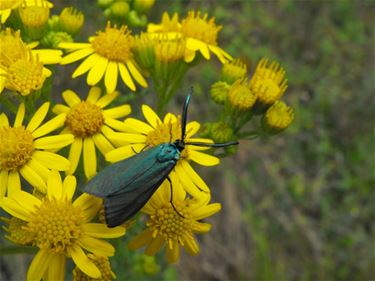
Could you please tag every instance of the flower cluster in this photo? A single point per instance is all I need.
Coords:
(53, 141)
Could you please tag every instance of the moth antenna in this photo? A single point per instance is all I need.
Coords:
(171, 201)
(217, 145)
(184, 113)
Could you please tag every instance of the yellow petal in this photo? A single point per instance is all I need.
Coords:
(39, 265)
(14, 209)
(54, 185)
(71, 98)
(50, 126)
(14, 182)
(206, 211)
(110, 79)
(186, 182)
(136, 126)
(220, 53)
(106, 99)
(77, 55)
(53, 142)
(189, 55)
(20, 115)
(191, 245)
(123, 152)
(52, 160)
(89, 205)
(86, 65)
(200, 227)
(83, 262)
(94, 94)
(173, 253)
(125, 76)
(75, 155)
(117, 112)
(97, 246)
(115, 124)
(102, 143)
(192, 128)
(154, 246)
(89, 157)
(203, 159)
(28, 201)
(126, 139)
(140, 240)
(38, 117)
(100, 230)
(97, 71)
(4, 122)
(151, 117)
(136, 74)
(48, 56)
(195, 178)
(37, 166)
(74, 46)
(3, 183)
(60, 108)
(33, 178)
(69, 187)
(56, 269)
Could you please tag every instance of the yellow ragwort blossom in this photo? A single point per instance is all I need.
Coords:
(24, 150)
(233, 70)
(6, 6)
(166, 226)
(104, 266)
(200, 33)
(268, 82)
(90, 123)
(61, 228)
(240, 96)
(21, 67)
(279, 116)
(107, 54)
(139, 135)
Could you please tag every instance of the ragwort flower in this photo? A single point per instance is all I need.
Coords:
(24, 150)
(104, 266)
(90, 123)
(61, 228)
(107, 54)
(166, 226)
(6, 6)
(139, 135)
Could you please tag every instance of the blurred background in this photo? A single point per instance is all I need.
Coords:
(301, 205)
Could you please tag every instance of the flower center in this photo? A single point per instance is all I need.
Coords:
(16, 147)
(200, 28)
(12, 47)
(25, 76)
(84, 119)
(56, 226)
(114, 44)
(169, 224)
(165, 132)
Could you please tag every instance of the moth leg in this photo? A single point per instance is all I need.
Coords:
(143, 148)
(171, 201)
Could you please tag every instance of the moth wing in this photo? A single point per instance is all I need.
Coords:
(118, 208)
(119, 176)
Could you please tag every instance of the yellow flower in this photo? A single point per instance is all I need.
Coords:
(71, 20)
(22, 68)
(90, 123)
(279, 116)
(139, 135)
(104, 266)
(233, 70)
(166, 226)
(240, 96)
(268, 82)
(199, 31)
(23, 150)
(34, 16)
(108, 53)
(61, 228)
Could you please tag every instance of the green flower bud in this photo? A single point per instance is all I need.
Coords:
(219, 92)
(53, 38)
(71, 20)
(143, 6)
(221, 132)
(119, 9)
(104, 3)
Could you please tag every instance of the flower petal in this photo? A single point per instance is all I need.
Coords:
(206, 211)
(74, 46)
(173, 253)
(151, 117)
(38, 117)
(115, 124)
(137, 126)
(74, 155)
(186, 182)
(89, 157)
(83, 262)
(4, 122)
(102, 143)
(77, 55)
(97, 246)
(110, 78)
(56, 269)
(155, 245)
(203, 159)
(195, 178)
(94, 95)
(50, 126)
(192, 128)
(89, 204)
(190, 244)
(136, 74)
(106, 99)
(117, 112)
(200, 227)
(14, 209)
(52, 160)
(3, 184)
(140, 240)
(86, 65)
(39, 265)
(71, 98)
(14, 182)
(97, 71)
(125, 76)
(122, 153)
(125, 139)
(54, 142)
(54, 185)
(20, 115)
(33, 178)
(60, 108)
(100, 230)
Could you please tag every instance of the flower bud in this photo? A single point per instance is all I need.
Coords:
(143, 6)
(119, 9)
(233, 70)
(71, 20)
(278, 117)
(35, 19)
(219, 92)
(240, 96)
